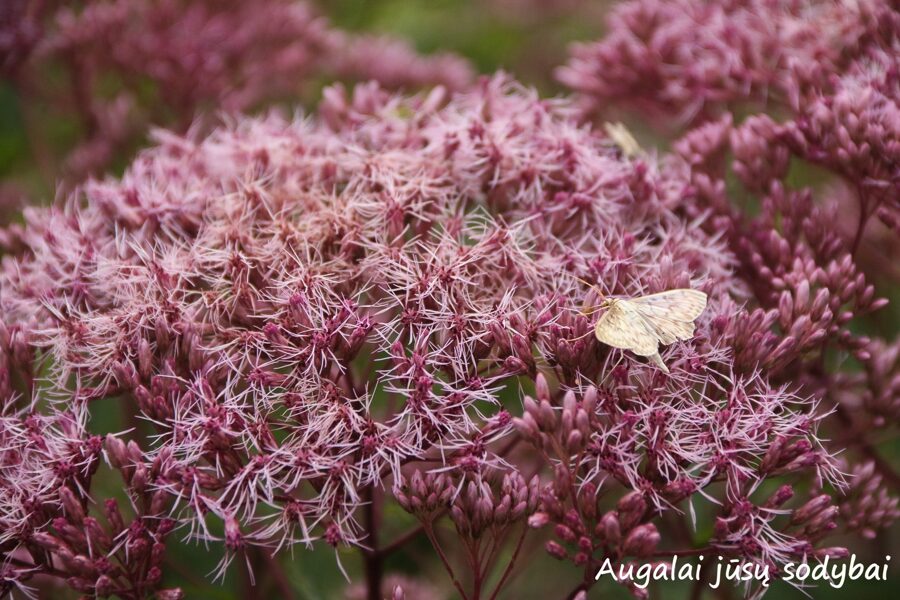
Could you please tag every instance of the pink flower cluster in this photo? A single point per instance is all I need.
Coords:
(680, 60)
(384, 301)
(303, 311)
(820, 83)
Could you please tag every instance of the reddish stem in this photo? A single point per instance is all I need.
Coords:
(509, 567)
(373, 559)
(278, 576)
(402, 539)
(429, 531)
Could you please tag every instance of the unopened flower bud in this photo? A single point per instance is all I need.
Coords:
(642, 540)
(811, 508)
(556, 551)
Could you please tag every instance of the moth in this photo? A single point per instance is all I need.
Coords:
(642, 324)
(621, 137)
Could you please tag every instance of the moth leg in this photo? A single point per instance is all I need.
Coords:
(657, 360)
(580, 337)
(594, 308)
(587, 311)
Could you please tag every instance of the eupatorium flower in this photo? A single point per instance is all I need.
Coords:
(683, 59)
(307, 312)
(823, 80)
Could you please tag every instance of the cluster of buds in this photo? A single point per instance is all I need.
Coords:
(853, 129)
(587, 536)
(874, 392)
(426, 496)
(788, 454)
(563, 433)
(479, 508)
(112, 560)
(48, 523)
(484, 508)
(866, 505)
(759, 156)
(799, 268)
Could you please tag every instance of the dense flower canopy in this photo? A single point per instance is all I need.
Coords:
(393, 297)
(680, 60)
(299, 308)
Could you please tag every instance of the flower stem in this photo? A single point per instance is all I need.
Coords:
(509, 567)
(373, 559)
(429, 531)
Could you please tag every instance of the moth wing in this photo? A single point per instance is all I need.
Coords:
(622, 327)
(675, 305)
(622, 138)
(667, 330)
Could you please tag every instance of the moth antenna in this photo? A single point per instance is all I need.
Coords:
(593, 286)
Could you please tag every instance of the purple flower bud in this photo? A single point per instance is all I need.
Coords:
(547, 420)
(610, 528)
(641, 541)
(542, 390)
(781, 495)
(565, 534)
(574, 442)
(811, 508)
(631, 509)
(104, 586)
(113, 516)
(71, 504)
(556, 551)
